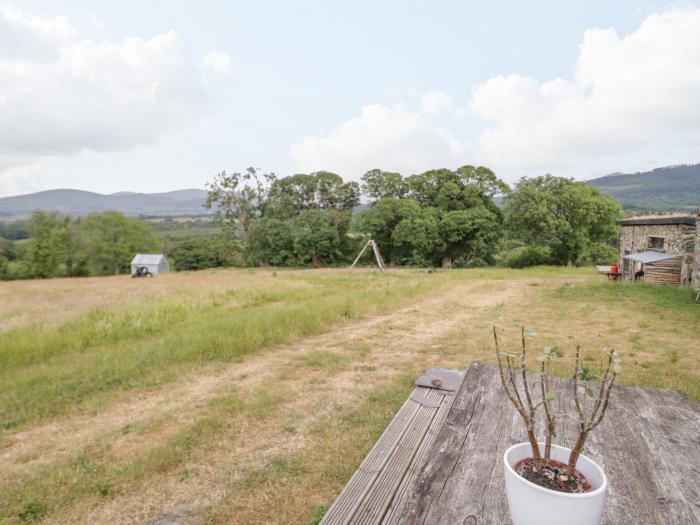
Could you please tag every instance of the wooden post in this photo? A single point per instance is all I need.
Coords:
(375, 251)
(380, 262)
(360, 255)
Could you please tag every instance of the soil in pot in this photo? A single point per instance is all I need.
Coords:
(552, 476)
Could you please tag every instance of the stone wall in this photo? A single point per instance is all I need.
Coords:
(681, 239)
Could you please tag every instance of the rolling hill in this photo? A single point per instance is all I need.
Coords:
(78, 202)
(673, 188)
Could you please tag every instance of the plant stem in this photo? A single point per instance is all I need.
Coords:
(530, 420)
(544, 388)
(537, 458)
(575, 452)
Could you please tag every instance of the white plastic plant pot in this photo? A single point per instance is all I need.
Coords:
(531, 504)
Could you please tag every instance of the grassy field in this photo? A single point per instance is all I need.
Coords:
(250, 396)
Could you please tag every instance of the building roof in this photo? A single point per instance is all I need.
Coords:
(650, 257)
(643, 220)
(148, 258)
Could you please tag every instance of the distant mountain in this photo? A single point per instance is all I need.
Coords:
(78, 202)
(673, 188)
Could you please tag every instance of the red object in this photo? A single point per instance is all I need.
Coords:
(613, 268)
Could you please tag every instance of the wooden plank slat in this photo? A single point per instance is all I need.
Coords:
(353, 494)
(408, 483)
(379, 497)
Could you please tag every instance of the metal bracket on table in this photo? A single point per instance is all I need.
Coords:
(443, 379)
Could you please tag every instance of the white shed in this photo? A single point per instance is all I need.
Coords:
(153, 262)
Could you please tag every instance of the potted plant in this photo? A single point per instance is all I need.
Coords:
(546, 483)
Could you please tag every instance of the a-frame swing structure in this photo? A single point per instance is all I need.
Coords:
(377, 255)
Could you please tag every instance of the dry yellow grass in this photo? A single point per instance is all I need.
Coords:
(55, 301)
(273, 437)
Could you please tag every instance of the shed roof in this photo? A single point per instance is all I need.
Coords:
(650, 257)
(148, 258)
(643, 220)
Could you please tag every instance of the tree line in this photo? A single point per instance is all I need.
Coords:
(59, 245)
(439, 217)
(465, 217)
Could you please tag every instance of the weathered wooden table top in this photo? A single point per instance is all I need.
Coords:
(648, 445)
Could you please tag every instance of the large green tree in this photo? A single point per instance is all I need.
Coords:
(563, 214)
(469, 234)
(322, 190)
(440, 215)
(378, 184)
(269, 243)
(111, 240)
(381, 220)
(465, 187)
(300, 218)
(416, 239)
(196, 253)
(470, 221)
(319, 236)
(14, 262)
(51, 245)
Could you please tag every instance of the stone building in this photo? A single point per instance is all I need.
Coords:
(671, 234)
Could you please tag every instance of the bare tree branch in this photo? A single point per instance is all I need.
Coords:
(588, 423)
(574, 387)
(518, 405)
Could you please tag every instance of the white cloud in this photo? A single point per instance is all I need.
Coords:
(628, 95)
(388, 137)
(16, 180)
(435, 102)
(60, 95)
(218, 62)
(27, 36)
(632, 103)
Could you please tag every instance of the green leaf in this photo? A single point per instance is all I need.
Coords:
(547, 350)
(587, 374)
(550, 397)
(589, 392)
(617, 369)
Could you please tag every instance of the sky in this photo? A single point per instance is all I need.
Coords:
(161, 95)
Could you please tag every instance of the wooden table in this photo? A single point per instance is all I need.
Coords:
(648, 445)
